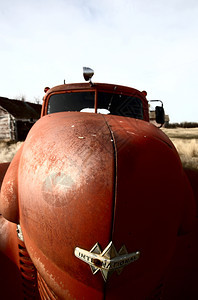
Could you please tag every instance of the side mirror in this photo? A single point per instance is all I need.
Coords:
(159, 115)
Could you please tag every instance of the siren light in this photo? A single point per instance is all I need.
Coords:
(88, 73)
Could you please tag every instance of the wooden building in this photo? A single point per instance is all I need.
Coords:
(16, 118)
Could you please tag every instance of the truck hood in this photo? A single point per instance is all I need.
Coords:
(89, 182)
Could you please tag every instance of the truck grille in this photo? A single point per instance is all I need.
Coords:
(44, 291)
(28, 273)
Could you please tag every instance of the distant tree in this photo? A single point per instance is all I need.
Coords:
(182, 125)
(21, 98)
(37, 100)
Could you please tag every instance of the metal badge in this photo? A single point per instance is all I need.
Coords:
(108, 260)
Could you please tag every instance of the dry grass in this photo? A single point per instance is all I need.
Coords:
(8, 150)
(186, 143)
(182, 133)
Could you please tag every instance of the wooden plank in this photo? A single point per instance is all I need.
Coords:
(5, 127)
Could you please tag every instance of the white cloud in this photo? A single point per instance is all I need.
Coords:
(146, 44)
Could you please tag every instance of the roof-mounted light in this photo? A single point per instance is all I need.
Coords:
(46, 89)
(88, 73)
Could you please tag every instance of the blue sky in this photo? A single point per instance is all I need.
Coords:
(150, 45)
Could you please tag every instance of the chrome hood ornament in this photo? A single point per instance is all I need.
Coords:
(108, 260)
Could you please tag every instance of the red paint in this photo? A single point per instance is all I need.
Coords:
(83, 178)
(3, 169)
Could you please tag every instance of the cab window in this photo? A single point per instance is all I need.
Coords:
(70, 102)
(121, 105)
(108, 103)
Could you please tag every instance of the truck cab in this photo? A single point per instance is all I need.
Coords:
(97, 98)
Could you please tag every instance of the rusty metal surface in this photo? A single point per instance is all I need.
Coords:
(99, 86)
(9, 191)
(28, 273)
(3, 169)
(102, 87)
(153, 204)
(66, 191)
(10, 277)
(85, 178)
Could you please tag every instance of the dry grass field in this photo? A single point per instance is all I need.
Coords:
(8, 150)
(184, 139)
(186, 143)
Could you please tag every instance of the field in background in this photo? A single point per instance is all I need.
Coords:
(184, 139)
(186, 143)
(8, 150)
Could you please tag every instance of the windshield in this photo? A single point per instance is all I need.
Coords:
(70, 102)
(108, 103)
(121, 105)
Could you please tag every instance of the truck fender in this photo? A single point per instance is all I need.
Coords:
(3, 169)
(9, 191)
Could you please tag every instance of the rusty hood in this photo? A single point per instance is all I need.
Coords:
(87, 184)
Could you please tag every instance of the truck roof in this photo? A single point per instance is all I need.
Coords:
(96, 86)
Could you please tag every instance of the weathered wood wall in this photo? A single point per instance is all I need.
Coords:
(7, 126)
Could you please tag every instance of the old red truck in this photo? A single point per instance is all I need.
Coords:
(96, 203)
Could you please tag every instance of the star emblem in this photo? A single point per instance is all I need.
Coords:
(108, 260)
